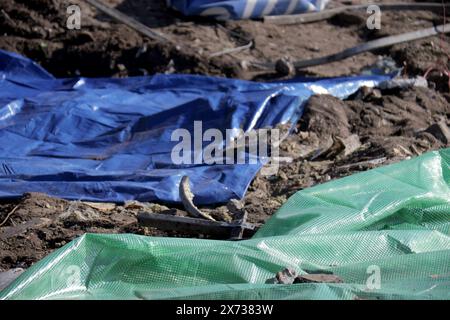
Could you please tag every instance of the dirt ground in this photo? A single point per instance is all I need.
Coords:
(333, 139)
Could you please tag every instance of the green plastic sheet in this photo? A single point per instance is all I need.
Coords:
(385, 232)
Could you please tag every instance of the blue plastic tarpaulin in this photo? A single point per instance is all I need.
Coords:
(245, 9)
(110, 139)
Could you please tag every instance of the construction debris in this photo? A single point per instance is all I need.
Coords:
(290, 276)
(342, 147)
(440, 131)
(399, 83)
(285, 66)
(213, 229)
(187, 196)
(134, 204)
(396, 120)
(285, 276)
(102, 206)
(235, 207)
(318, 278)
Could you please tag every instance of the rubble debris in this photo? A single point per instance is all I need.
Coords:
(76, 213)
(400, 83)
(220, 213)
(318, 278)
(368, 93)
(440, 131)
(156, 207)
(102, 206)
(214, 229)
(285, 67)
(343, 147)
(285, 276)
(133, 205)
(389, 139)
(235, 207)
(187, 196)
(240, 221)
(290, 276)
(377, 161)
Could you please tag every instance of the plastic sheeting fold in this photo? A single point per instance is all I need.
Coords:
(393, 220)
(110, 139)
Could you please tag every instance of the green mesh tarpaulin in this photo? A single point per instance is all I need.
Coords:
(385, 232)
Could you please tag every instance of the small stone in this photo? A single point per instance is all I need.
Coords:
(283, 175)
(133, 204)
(303, 134)
(244, 65)
(235, 206)
(156, 208)
(284, 66)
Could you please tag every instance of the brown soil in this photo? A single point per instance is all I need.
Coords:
(389, 125)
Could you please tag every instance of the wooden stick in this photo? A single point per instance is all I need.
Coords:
(132, 23)
(9, 215)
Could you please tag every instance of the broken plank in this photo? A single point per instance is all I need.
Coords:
(217, 229)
